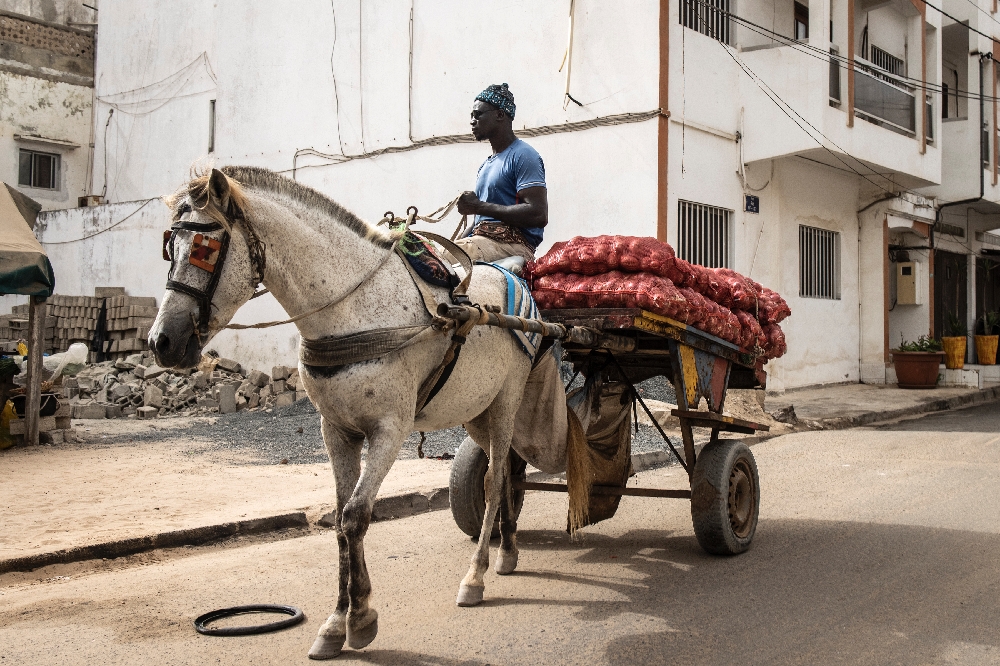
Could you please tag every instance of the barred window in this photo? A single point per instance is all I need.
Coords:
(819, 263)
(709, 17)
(704, 234)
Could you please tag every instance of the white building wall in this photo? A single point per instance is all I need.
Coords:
(54, 110)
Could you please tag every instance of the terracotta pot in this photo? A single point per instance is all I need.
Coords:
(916, 370)
(986, 349)
(954, 352)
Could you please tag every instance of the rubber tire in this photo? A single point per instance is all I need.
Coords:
(467, 488)
(719, 463)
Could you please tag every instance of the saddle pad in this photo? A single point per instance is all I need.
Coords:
(520, 304)
(431, 268)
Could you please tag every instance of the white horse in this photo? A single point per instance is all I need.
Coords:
(235, 227)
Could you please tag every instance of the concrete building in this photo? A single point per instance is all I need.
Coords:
(815, 146)
(46, 95)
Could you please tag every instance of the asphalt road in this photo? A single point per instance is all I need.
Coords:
(875, 546)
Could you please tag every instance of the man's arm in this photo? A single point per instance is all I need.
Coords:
(532, 209)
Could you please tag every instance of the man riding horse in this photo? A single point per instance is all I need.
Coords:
(510, 201)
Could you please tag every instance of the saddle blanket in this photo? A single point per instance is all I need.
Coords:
(520, 304)
(431, 268)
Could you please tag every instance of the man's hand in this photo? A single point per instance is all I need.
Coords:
(468, 204)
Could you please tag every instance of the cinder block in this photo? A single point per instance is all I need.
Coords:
(285, 399)
(278, 387)
(279, 372)
(228, 364)
(91, 411)
(63, 422)
(152, 397)
(257, 378)
(227, 398)
(147, 412)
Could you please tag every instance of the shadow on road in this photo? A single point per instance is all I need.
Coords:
(807, 592)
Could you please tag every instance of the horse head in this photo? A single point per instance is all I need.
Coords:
(213, 268)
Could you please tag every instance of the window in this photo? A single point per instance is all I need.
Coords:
(801, 22)
(704, 234)
(39, 170)
(709, 17)
(819, 263)
(211, 126)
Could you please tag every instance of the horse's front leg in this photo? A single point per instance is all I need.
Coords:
(507, 557)
(500, 419)
(384, 443)
(345, 456)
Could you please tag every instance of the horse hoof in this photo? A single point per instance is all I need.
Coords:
(506, 562)
(326, 647)
(361, 637)
(470, 595)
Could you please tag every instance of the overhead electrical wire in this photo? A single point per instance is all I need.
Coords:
(843, 62)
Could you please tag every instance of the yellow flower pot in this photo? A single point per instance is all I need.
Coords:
(986, 349)
(954, 352)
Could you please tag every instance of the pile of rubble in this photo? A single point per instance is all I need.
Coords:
(136, 387)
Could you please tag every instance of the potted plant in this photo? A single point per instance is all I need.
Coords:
(955, 340)
(986, 344)
(917, 363)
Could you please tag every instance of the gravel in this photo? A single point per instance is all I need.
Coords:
(292, 433)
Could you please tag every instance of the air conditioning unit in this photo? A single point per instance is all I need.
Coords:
(89, 201)
(908, 283)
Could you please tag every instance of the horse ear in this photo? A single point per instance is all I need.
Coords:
(218, 188)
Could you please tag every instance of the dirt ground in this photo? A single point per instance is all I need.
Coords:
(71, 495)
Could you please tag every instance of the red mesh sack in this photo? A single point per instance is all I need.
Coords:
(602, 254)
(776, 345)
(752, 334)
(773, 308)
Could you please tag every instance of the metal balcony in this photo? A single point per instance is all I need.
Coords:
(884, 98)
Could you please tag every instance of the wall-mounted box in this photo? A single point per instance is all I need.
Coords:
(908, 284)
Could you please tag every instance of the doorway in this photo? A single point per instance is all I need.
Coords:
(950, 289)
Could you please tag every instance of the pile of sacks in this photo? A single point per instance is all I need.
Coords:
(137, 386)
(640, 272)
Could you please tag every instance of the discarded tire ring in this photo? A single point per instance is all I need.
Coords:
(212, 616)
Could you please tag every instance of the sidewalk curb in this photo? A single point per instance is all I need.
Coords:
(195, 536)
(943, 404)
(386, 508)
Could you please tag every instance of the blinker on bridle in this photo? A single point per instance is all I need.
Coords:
(208, 253)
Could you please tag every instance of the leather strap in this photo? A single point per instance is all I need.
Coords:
(357, 347)
(460, 294)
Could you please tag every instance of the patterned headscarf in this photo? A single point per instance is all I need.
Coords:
(499, 96)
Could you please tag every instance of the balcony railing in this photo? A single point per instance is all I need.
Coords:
(884, 97)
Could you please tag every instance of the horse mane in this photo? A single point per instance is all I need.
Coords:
(241, 177)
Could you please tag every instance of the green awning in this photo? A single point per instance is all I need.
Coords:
(24, 266)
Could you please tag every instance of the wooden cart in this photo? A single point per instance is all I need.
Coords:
(633, 345)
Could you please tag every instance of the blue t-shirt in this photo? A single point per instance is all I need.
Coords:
(517, 167)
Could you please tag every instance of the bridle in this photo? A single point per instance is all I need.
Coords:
(209, 248)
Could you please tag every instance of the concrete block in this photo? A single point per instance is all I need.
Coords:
(91, 411)
(241, 403)
(200, 380)
(253, 400)
(129, 410)
(228, 365)
(133, 360)
(285, 399)
(121, 391)
(153, 371)
(227, 399)
(147, 412)
(292, 383)
(265, 393)
(63, 422)
(257, 378)
(208, 403)
(278, 387)
(139, 371)
(152, 397)
(114, 412)
(279, 372)
(64, 410)
(57, 436)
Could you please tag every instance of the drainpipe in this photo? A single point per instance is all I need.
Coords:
(983, 57)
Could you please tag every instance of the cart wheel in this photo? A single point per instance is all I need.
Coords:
(467, 488)
(725, 497)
